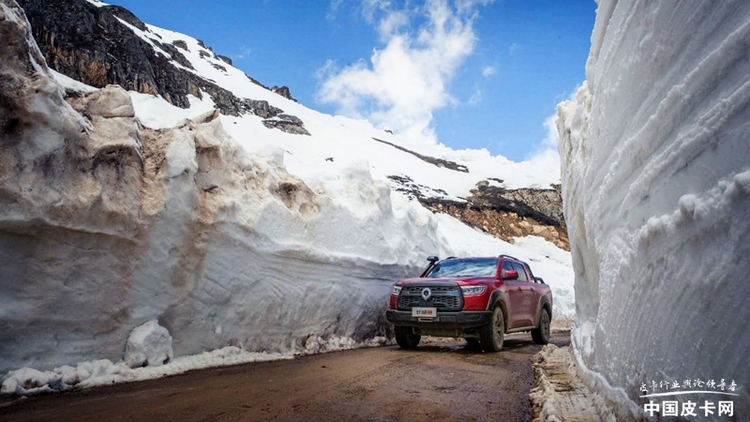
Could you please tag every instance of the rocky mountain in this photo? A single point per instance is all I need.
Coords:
(90, 44)
(97, 46)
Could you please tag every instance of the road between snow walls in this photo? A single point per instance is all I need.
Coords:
(130, 252)
(656, 188)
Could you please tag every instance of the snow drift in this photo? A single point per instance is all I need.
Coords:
(118, 209)
(656, 171)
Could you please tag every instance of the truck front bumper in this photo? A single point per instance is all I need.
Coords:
(458, 321)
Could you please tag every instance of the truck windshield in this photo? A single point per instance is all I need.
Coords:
(474, 267)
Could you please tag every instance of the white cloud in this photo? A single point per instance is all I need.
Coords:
(488, 71)
(514, 47)
(406, 79)
(244, 53)
(476, 97)
(546, 155)
(465, 6)
(333, 9)
(392, 24)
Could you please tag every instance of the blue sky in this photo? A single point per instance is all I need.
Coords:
(466, 73)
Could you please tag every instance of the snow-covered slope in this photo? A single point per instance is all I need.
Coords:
(343, 139)
(656, 186)
(118, 212)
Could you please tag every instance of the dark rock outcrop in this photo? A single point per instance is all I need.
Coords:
(181, 44)
(90, 44)
(503, 213)
(284, 92)
(287, 123)
(544, 205)
(256, 82)
(261, 108)
(225, 59)
(432, 160)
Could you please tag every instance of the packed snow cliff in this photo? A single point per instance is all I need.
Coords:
(656, 188)
(134, 232)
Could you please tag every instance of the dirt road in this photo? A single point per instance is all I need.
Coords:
(442, 381)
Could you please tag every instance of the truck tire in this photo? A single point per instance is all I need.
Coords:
(491, 335)
(406, 338)
(540, 335)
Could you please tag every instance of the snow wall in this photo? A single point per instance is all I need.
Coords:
(656, 185)
(105, 224)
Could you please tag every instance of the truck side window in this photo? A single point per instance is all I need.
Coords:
(521, 271)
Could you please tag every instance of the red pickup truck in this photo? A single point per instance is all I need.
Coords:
(479, 299)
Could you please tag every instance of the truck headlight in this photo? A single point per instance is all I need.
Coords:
(473, 290)
(396, 290)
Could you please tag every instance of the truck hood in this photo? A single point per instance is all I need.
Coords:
(442, 280)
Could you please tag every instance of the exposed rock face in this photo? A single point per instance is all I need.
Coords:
(432, 160)
(225, 59)
(543, 205)
(261, 108)
(500, 222)
(181, 44)
(287, 123)
(283, 91)
(90, 44)
(502, 213)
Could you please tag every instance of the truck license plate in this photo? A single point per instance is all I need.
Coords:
(424, 312)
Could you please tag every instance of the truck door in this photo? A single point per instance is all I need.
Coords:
(515, 297)
(529, 300)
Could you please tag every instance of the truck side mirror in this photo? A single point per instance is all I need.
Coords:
(510, 275)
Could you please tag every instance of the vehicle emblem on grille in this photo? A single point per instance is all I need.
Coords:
(426, 293)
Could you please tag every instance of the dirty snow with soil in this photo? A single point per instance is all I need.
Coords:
(656, 171)
(253, 275)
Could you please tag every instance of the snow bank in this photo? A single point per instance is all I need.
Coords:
(28, 381)
(655, 164)
(148, 345)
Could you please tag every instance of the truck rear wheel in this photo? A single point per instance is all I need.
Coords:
(491, 335)
(406, 338)
(540, 335)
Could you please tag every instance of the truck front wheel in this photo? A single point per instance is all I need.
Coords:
(406, 338)
(491, 335)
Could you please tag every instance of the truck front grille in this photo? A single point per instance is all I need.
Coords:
(444, 298)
